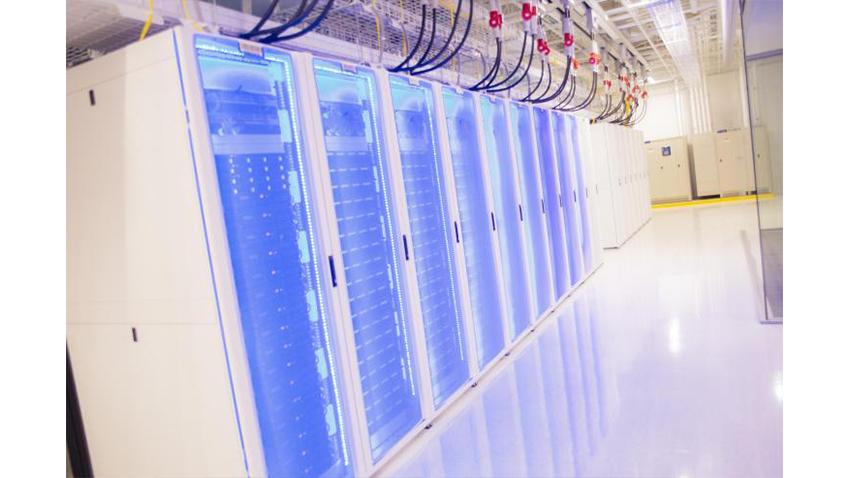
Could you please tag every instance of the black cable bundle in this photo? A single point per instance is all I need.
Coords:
(539, 81)
(493, 88)
(457, 47)
(493, 72)
(560, 88)
(570, 94)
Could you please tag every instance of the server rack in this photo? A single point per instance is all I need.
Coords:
(572, 211)
(477, 229)
(265, 185)
(508, 209)
(340, 246)
(433, 243)
(549, 172)
(537, 209)
(583, 196)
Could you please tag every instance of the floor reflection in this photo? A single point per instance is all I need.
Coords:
(657, 366)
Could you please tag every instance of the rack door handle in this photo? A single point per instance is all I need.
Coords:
(406, 251)
(333, 270)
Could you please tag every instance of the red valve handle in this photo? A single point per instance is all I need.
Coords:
(528, 11)
(594, 59)
(495, 19)
(569, 39)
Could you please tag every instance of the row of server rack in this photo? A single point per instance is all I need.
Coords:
(284, 265)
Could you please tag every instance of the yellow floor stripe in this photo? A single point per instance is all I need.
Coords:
(702, 202)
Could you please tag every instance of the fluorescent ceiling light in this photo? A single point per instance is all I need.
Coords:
(642, 3)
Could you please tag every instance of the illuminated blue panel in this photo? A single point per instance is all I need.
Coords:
(552, 193)
(505, 197)
(370, 251)
(251, 108)
(582, 199)
(564, 154)
(432, 235)
(475, 226)
(536, 210)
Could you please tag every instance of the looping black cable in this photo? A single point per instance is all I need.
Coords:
(615, 110)
(518, 63)
(548, 85)
(590, 96)
(415, 48)
(604, 108)
(539, 81)
(460, 43)
(267, 14)
(524, 73)
(425, 61)
(494, 70)
(309, 28)
(430, 41)
(304, 10)
(570, 94)
(560, 88)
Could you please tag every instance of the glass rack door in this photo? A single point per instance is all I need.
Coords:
(475, 224)
(371, 253)
(535, 214)
(432, 235)
(508, 210)
(581, 189)
(552, 193)
(266, 197)
(564, 154)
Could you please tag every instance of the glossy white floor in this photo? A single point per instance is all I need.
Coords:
(657, 367)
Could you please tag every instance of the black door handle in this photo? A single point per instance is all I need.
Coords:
(406, 252)
(333, 270)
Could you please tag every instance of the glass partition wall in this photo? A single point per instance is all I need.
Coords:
(761, 27)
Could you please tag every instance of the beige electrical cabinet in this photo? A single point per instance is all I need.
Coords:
(669, 169)
(704, 165)
(734, 162)
(764, 175)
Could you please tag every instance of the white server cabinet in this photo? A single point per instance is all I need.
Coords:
(244, 238)
(606, 182)
(669, 169)
(706, 174)
(165, 356)
(623, 181)
(286, 265)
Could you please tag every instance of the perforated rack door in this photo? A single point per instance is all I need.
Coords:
(371, 251)
(552, 192)
(538, 208)
(432, 234)
(251, 108)
(584, 213)
(475, 224)
(564, 154)
(506, 199)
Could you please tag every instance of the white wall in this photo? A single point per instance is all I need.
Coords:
(669, 113)
(726, 105)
